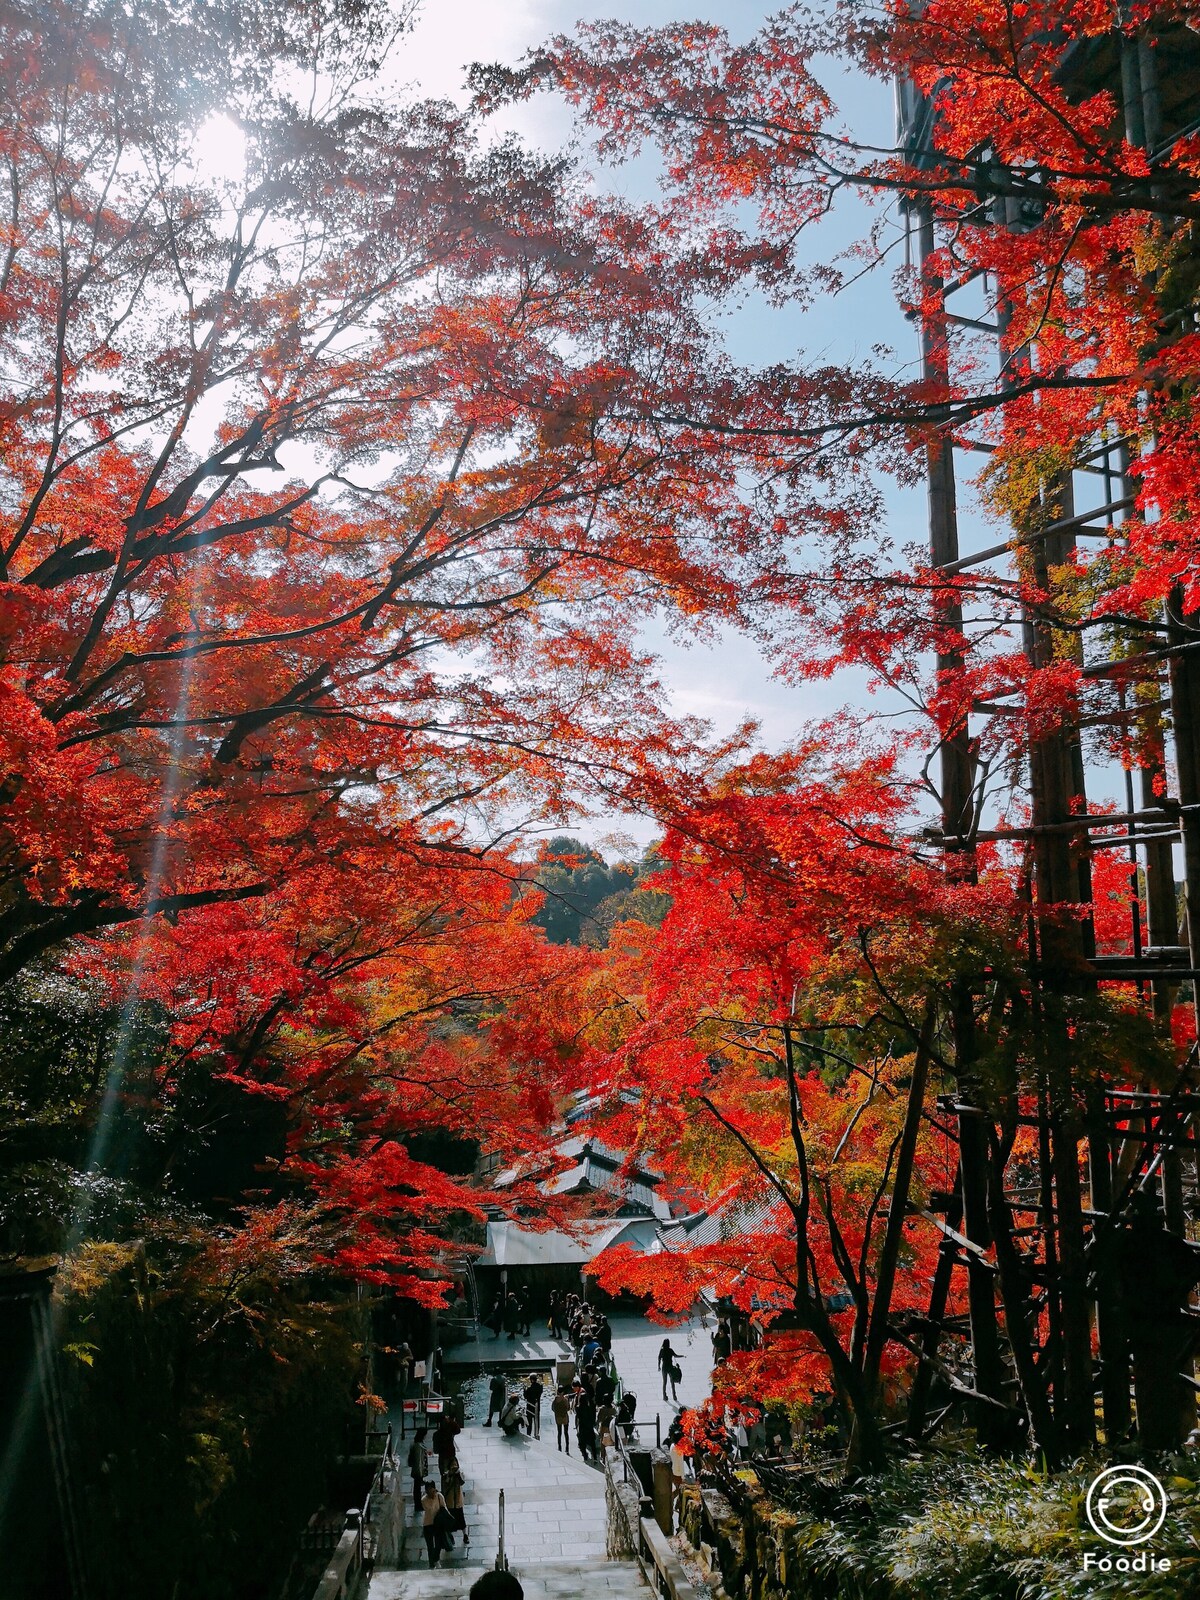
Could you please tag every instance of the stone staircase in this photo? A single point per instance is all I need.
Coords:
(554, 1528)
(541, 1580)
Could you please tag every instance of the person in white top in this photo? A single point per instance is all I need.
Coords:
(679, 1460)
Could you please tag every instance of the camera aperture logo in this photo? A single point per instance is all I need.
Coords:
(1126, 1506)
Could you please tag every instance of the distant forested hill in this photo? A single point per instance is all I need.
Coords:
(585, 896)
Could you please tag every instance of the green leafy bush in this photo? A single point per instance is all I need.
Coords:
(965, 1526)
(207, 1400)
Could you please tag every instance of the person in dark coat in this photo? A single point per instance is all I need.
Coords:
(496, 1586)
(668, 1363)
(626, 1412)
(512, 1316)
(722, 1342)
(497, 1392)
(444, 1436)
(585, 1424)
(533, 1406)
(418, 1464)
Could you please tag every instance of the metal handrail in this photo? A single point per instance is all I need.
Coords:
(628, 1471)
(501, 1558)
(643, 1422)
(421, 1409)
(386, 1462)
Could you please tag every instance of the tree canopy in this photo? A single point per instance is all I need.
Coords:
(338, 486)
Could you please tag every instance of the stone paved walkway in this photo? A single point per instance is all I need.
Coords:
(636, 1344)
(611, 1580)
(554, 1527)
(554, 1503)
(538, 1347)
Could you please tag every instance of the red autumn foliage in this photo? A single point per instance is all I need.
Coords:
(336, 491)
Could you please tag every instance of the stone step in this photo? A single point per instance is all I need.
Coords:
(545, 1580)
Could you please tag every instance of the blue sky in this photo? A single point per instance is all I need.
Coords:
(725, 679)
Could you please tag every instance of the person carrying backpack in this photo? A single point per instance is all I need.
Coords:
(513, 1415)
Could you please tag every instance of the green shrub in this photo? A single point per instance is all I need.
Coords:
(961, 1525)
(206, 1417)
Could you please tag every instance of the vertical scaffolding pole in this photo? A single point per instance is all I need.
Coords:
(1164, 1425)
(957, 784)
(1063, 879)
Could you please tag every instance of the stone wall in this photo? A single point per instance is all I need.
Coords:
(756, 1549)
(388, 1505)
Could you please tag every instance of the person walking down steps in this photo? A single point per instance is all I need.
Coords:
(418, 1464)
(585, 1424)
(444, 1436)
(452, 1494)
(435, 1523)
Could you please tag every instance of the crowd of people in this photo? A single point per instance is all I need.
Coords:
(509, 1314)
(441, 1510)
(591, 1404)
(588, 1405)
(591, 1401)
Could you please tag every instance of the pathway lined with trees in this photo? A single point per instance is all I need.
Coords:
(339, 481)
